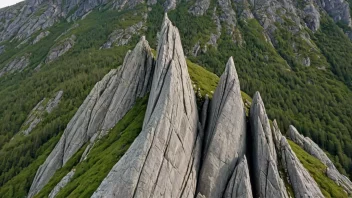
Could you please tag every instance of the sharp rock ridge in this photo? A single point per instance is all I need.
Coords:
(225, 135)
(107, 103)
(163, 159)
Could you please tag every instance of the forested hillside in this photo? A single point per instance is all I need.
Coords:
(303, 71)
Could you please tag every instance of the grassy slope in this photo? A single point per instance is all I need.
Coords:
(317, 171)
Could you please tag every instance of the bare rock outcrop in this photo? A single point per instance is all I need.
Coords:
(36, 115)
(123, 36)
(107, 103)
(302, 182)
(312, 148)
(64, 181)
(200, 7)
(60, 49)
(239, 185)
(163, 159)
(18, 64)
(40, 36)
(225, 135)
(267, 181)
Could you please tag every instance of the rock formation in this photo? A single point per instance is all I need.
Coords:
(267, 181)
(163, 160)
(64, 181)
(18, 64)
(107, 103)
(123, 36)
(302, 182)
(225, 135)
(239, 185)
(36, 115)
(41, 36)
(312, 148)
(60, 49)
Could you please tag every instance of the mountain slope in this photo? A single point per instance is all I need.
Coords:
(300, 63)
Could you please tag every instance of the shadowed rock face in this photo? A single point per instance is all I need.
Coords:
(161, 161)
(302, 183)
(312, 148)
(267, 181)
(107, 103)
(225, 135)
(239, 185)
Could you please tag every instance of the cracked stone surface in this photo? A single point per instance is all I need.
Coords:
(163, 160)
(267, 181)
(107, 103)
(239, 185)
(312, 148)
(225, 135)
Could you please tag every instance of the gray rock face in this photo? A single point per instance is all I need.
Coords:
(267, 181)
(64, 181)
(123, 36)
(302, 182)
(60, 49)
(312, 148)
(163, 159)
(239, 185)
(18, 64)
(36, 115)
(200, 7)
(312, 17)
(107, 103)
(338, 9)
(170, 5)
(225, 135)
(40, 37)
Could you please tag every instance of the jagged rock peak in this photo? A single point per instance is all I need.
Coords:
(258, 109)
(239, 184)
(267, 181)
(312, 148)
(225, 135)
(302, 182)
(107, 103)
(163, 160)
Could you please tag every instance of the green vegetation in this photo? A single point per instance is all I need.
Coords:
(104, 155)
(317, 170)
(75, 73)
(203, 79)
